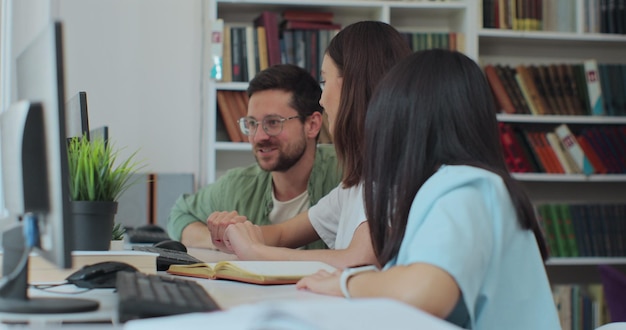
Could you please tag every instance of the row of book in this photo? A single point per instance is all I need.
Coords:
(428, 40)
(300, 38)
(587, 88)
(600, 16)
(581, 307)
(233, 105)
(605, 16)
(584, 230)
(522, 14)
(592, 150)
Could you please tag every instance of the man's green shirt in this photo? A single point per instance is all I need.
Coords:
(248, 190)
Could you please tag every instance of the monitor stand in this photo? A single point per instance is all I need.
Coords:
(14, 292)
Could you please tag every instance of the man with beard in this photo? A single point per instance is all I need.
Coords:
(291, 174)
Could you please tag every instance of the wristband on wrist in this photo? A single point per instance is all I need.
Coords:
(348, 273)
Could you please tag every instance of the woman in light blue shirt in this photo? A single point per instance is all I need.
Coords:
(457, 235)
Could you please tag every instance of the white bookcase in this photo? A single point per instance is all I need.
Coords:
(512, 48)
(486, 46)
(409, 16)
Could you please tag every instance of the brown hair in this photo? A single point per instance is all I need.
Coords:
(363, 52)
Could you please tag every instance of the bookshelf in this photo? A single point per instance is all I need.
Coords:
(486, 46)
(573, 46)
(406, 16)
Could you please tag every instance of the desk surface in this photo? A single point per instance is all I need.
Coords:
(226, 293)
(244, 303)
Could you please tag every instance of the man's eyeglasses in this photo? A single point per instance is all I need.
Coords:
(272, 125)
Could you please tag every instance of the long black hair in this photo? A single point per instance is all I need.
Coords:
(433, 108)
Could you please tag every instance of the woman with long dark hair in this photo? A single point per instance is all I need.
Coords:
(457, 235)
(354, 63)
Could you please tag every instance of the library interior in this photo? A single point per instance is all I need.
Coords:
(163, 86)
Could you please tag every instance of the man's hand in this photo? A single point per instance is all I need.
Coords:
(217, 223)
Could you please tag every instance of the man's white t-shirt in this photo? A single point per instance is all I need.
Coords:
(283, 211)
(337, 215)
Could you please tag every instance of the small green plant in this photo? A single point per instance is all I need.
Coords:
(93, 173)
(118, 232)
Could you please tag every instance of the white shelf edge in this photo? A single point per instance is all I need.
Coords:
(356, 3)
(550, 35)
(585, 261)
(231, 86)
(233, 146)
(545, 177)
(550, 119)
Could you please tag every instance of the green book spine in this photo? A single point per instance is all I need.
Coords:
(568, 228)
(557, 224)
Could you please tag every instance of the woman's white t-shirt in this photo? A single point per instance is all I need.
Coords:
(337, 215)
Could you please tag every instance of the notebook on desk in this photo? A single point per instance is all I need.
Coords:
(255, 272)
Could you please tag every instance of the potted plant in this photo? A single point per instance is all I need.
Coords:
(96, 182)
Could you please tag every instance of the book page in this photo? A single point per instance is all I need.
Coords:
(275, 268)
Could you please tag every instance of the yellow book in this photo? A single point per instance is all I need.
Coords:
(256, 272)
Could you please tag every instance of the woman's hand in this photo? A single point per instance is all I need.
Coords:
(217, 223)
(244, 239)
(322, 282)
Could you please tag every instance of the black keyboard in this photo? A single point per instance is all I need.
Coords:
(169, 257)
(145, 236)
(143, 295)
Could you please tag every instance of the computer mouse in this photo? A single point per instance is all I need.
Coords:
(171, 245)
(151, 228)
(100, 275)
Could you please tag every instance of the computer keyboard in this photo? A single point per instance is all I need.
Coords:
(144, 295)
(169, 257)
(145, 236)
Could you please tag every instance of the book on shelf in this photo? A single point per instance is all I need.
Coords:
(592, 155)
(227, 64)
(308, 25)
(252, 54)
(577, 71)
(269, 21)
(255, 272)
(546, 100)
(499, 90)
(528, 90)
(239, 105)
(515, 156)
(594, 88)
(228, 112)
(553, 92)
(237, 42)
(568, 230)
(561, 154)
(262, 48)
(507, 75)
(308, 16)
(216, 49)
(570, 144)
(526, 93)
(40, 270)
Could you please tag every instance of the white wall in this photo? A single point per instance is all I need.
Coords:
(140, 63)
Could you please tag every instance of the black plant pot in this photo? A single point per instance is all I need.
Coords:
(93, 224)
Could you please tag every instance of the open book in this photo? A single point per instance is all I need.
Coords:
(256, 272)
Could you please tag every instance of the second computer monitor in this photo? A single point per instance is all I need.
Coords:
(76, 116)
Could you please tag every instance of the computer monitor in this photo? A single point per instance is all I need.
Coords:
(101, 132)
(76, 116)
(34, 144)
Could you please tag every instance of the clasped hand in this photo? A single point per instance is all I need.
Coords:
(233, 233)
